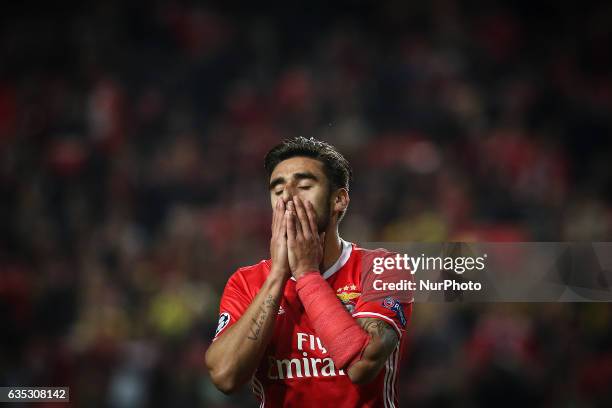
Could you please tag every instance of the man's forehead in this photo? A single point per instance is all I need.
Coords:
(293, 165)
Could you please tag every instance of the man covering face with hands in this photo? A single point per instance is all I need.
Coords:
(296, 326)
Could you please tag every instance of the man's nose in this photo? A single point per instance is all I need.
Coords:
(288, 193)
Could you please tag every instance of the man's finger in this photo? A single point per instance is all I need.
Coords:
(280, 216)
(312, 218)
(282, 228)
(299, 233)
(289, 220)
(303, 226)
(275, 213)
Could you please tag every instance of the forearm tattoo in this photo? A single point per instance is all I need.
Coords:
(258, 321)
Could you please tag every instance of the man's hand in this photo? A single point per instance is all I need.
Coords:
(305, 246)
(278, 242)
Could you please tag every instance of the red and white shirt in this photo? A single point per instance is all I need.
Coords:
(296, 369)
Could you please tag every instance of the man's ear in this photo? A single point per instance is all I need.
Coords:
(341, 200)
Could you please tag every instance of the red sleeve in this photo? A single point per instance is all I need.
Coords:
(234, 301)
(389, 309)
(392, 306)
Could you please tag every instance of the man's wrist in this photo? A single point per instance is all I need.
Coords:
(301, 272)
(279, 274)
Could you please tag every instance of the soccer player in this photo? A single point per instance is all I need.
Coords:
(297, 326)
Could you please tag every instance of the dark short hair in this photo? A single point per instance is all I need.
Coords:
(335, 166)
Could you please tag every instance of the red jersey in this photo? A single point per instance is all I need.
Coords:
(296, 369)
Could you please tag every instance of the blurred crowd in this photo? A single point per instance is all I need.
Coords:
(132, 137)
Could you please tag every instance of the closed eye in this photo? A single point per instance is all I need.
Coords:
(304, 187)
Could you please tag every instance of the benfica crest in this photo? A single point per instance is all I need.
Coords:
(348, 295)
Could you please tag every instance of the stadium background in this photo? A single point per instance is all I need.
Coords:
(131, 143)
